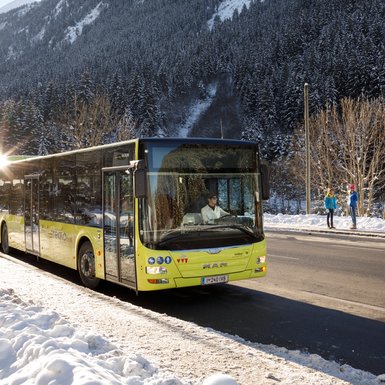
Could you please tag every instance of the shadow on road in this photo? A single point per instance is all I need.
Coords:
(269, 319)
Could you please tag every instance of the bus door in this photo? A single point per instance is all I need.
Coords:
(31, 214)
(118, 226)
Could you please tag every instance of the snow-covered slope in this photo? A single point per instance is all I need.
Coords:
(226, 10)
(73, 32)
(16, 4)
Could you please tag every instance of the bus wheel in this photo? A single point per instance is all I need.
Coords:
(86, 266)
(4, 239)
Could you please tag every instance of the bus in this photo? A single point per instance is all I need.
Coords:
(130, 212)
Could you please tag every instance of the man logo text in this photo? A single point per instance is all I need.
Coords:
(214, 265)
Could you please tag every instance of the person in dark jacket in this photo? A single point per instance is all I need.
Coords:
(352, 203)
(330, 202)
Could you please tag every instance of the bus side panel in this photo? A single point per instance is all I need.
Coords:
(59, 243)
(15, 225)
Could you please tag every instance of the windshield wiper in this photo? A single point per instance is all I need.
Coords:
(172, 235)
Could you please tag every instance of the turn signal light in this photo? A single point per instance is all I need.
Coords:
(163, 280)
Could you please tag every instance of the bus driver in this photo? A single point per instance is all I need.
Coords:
(212, 211)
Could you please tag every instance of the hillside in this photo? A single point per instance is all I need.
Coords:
(155, 61)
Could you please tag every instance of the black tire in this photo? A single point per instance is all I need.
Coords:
(86, 266)
(4, 239)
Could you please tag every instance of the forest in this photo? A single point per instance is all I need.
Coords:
(139, 66)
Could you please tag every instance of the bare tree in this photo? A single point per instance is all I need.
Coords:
(89, 124)
(348, 146)
(127, 127)
(324, 151)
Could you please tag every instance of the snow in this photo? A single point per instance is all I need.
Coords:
(7, 5)
(226, 10)
(59, 7)
(365, 225)
(72, 33)
(39, 36)
(12, 54)
(55, 332)
(197, 109)
(39, 347)
(222, 379)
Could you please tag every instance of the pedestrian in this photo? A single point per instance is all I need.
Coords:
(352, 204)
(330, 203)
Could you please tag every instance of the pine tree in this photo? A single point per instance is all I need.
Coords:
(86, 90)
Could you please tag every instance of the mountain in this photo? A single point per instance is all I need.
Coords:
(16, 4)
(158, 63)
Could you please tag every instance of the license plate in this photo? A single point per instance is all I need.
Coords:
(215, 279)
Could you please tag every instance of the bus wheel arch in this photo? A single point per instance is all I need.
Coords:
(86, 264)
(4, 238)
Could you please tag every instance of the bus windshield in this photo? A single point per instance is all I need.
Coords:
(186, 182)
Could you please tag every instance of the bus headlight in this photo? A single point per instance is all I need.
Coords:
(156, 270)
(261, 259)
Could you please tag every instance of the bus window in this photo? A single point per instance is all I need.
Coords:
(230, 195)
(46, 190)
(5, 186)
(16, 202)
(120, 156)
(64, 188)
(89, 182)
(180, 180)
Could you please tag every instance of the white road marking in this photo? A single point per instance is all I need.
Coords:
(281, 256)
(346, 301)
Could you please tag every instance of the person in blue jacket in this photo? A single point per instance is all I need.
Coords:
(352, 203)
(330, 202)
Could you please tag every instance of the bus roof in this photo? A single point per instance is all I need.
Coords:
(24, 158)
(199, 140)
(58, 154)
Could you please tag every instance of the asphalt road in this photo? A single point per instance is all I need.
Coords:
(324, 294)
(346, 273)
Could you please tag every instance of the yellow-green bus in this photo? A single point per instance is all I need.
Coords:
(130, 212)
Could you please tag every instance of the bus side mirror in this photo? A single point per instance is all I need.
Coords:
(265, 180)
(139, 171)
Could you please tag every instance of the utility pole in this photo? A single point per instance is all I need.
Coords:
(307, 140)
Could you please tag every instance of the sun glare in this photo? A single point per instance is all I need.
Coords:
(3, 161)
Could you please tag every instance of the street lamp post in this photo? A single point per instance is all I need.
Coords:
(307, 140)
